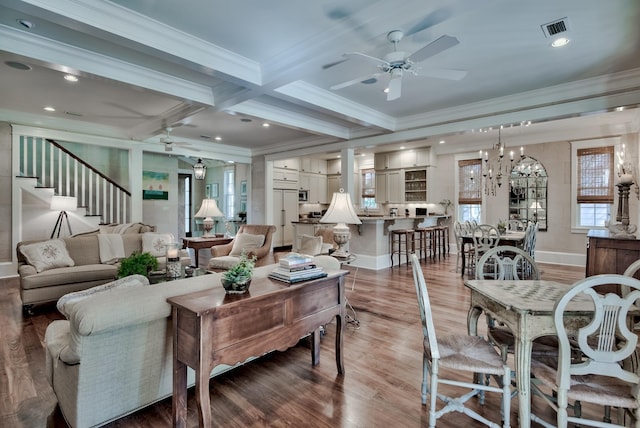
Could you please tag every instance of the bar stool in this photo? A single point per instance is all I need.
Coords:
(443, 239)
(396, 244)
(432, 240)
(423, 242)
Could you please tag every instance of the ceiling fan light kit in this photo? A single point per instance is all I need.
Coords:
(396, 62)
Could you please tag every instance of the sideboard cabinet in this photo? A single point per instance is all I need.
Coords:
(609, 255)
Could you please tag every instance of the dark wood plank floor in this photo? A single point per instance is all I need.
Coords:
(383, 362)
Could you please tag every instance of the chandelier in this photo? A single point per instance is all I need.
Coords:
(199, 170)
(494, 170)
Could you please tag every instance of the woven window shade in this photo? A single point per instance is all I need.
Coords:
(470, 189)
(595, 175)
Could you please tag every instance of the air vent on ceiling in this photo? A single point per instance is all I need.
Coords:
(556, 27)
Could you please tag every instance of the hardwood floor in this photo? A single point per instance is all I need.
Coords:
(383, 363)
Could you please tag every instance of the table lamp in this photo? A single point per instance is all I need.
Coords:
(342, 213)
(208, 209)
(62, 204)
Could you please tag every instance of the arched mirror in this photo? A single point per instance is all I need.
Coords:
(528, 192)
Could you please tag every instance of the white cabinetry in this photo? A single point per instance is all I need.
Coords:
(293, 164)
(391, 160)
(334, 166)
(285, 210)
(285, 178)
(333, 185)
(389, 187)
(316, 166)
(403, 159)
(316, 184)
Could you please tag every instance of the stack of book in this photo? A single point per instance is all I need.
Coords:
(295, 268)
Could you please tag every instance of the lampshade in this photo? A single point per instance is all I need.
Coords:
(535, 205)
(341, 210)
(342, 213)
(208, 209)
(199, 170)
(63, 203)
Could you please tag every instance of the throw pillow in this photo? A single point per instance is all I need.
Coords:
(311, 245)
(246, 241)
(47, 255)
(154, 243)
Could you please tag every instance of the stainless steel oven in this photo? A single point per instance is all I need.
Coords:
(303, 195)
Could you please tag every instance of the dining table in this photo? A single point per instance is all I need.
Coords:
(513, 238)
(526, 307)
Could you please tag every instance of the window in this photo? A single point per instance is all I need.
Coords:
(369, 189)
(469, 189)
(229, 193)
(593, 189)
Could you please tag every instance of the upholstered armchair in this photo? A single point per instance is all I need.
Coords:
(255, 239)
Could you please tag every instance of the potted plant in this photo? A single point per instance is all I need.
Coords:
(237, 279)
(502, 226)
(137, 263)
(446, 203)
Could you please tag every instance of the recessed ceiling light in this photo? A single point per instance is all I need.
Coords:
(338, 156)
(18, 65)
(70, 78)
(401, 147)
(25, 23)
(385, 90)
(49, 108)
(442, 141)
(621, 108)
(218, 138)
(559, 42)
(265, 125)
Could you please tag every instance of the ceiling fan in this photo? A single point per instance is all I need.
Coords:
(397, 63)
(168, 141)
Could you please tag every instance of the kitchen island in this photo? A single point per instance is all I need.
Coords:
(370, 240)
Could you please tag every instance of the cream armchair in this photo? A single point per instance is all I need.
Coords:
(255, 239)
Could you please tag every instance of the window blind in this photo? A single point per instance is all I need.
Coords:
(595, 175)
(470, 181)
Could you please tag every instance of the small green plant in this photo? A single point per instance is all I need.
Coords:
(502, 225)
(242, 271)
(137, 263)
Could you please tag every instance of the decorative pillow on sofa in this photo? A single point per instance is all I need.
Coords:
(154, 243)
(311, 245)
(47, 255)
(246, 241)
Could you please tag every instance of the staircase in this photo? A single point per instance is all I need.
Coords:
(47, 169)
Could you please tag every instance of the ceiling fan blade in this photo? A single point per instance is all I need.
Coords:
(438, 45)
(376, 61)
(443, 73)
(333, 64)
(354, 81)
(395, 85)
(434, 18)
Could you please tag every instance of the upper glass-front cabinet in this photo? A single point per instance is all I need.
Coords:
(528, 192)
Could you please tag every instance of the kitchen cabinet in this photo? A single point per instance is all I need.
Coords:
(415, 185)
(389, 187)
(285, 178)
(391, 160)
(316, 184)
(334, 166)
(333, 185)
(316, 166)
(292, 164)
(285, 210)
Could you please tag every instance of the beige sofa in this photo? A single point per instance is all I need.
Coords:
(84, 269)
(113, 354)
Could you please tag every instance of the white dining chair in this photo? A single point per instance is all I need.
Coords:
(600, 376)
(469, 354)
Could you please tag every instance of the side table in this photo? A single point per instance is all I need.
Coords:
(203, 242)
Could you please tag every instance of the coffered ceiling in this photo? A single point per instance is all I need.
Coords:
(224, 69)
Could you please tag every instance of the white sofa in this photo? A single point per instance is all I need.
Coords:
(113, 353)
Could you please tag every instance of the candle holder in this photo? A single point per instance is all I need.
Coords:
(174, 267)
(623, 230)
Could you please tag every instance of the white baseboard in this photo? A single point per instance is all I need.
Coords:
(8, 270)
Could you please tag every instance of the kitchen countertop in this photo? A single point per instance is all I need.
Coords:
(374, 218)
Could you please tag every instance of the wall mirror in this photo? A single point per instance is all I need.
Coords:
(528, 192)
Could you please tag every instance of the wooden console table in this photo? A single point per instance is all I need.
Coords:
(212, 328)
(202, 242)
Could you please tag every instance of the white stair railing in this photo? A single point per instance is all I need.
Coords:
(68, 175)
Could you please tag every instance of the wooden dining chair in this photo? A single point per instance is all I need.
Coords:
(600, 377)
(470, 354)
